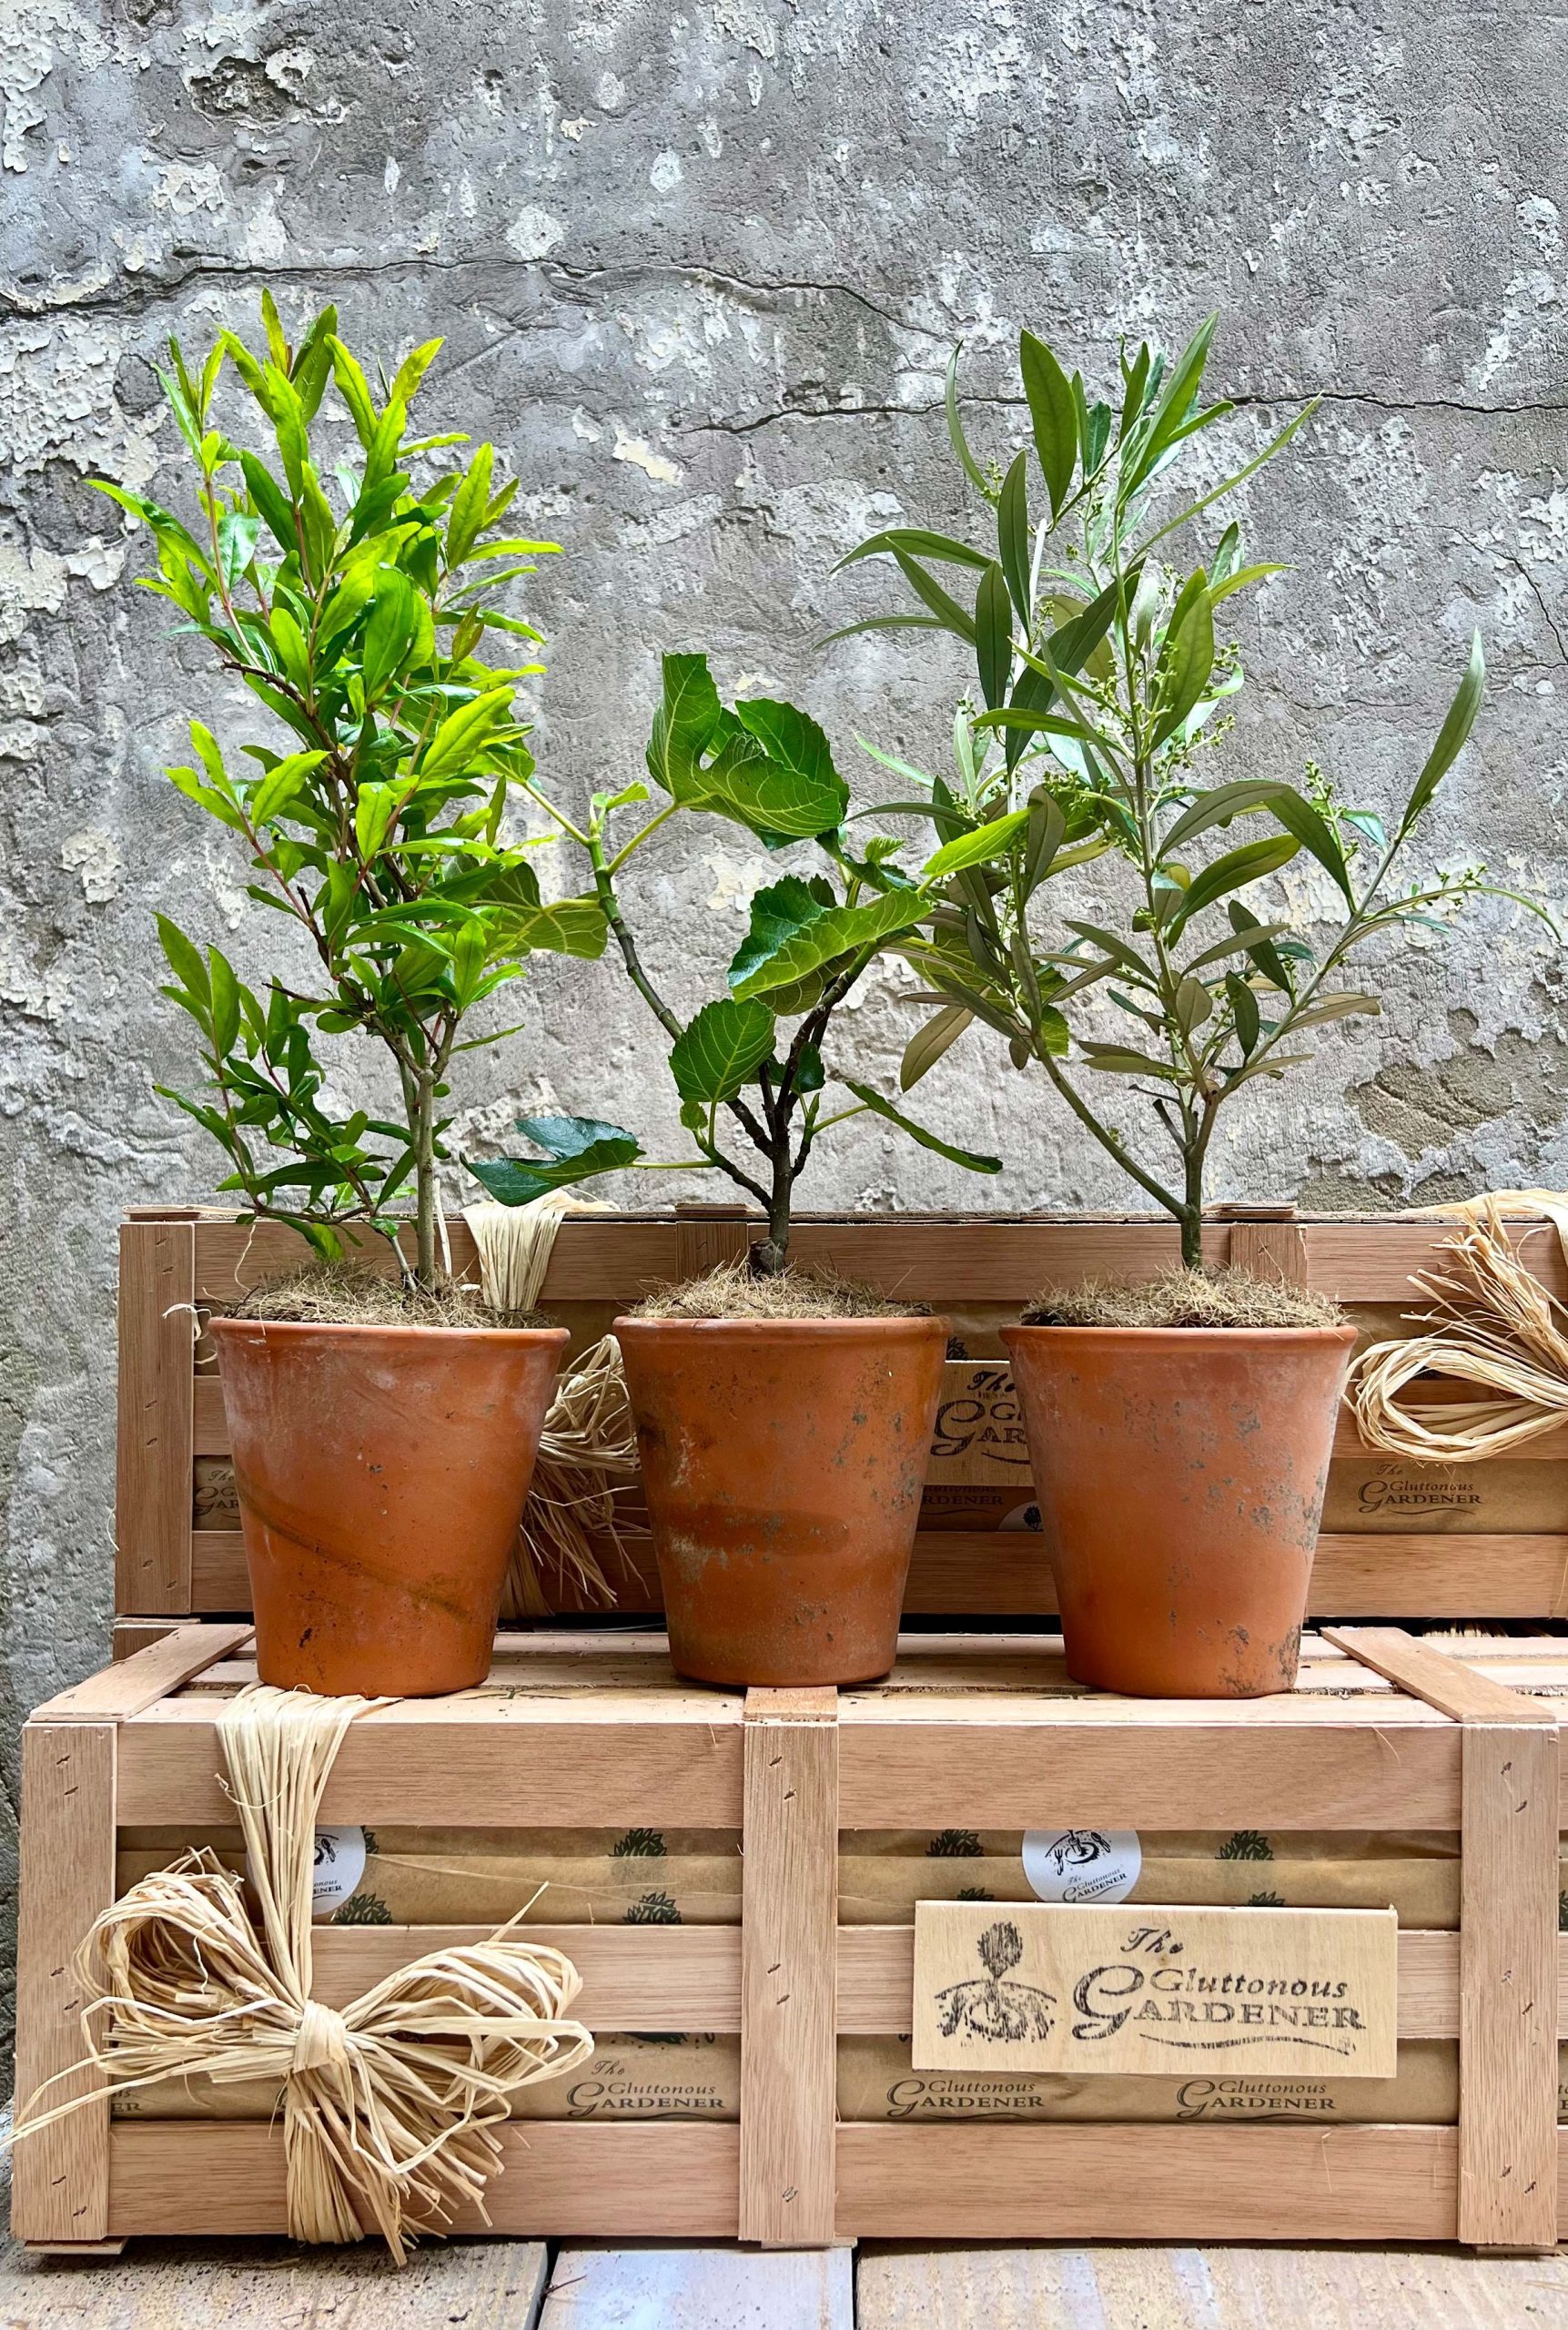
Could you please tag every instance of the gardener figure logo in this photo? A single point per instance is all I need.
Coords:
(1078, 1849)
(992, 2008)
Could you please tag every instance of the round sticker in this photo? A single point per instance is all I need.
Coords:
(1022, 1516)
(340, 1865)
(1082, 1864)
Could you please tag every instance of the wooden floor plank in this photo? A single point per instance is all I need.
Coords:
(596, 2288)
(1061, 2288)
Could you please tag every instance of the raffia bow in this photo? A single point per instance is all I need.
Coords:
(1493, 1325)
(390, 2106)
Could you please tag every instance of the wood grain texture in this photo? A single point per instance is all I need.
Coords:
(707, 1236)
(1113, 1773)
(1001, 1572)
(606, 1259)
(153, 1467)
(667, 2181)
(509, 1764)
(60, 2177)
(876, 1979)
(1442, 1678)
(636, 1977)
(1270, 1250)
(143, 1677)
(700, 2289)
(789, 1921)
(479, 2286)
(1183, 2288)
(969, 2182)
(1509, 1957)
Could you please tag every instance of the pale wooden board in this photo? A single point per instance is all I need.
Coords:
(1184, 1766)
(153, 1478)
(1206, 2289)
(980, 1572)
(969, 2182)
(1443, 1679)
(700, 2289)
(665, 2181)
(60, 2189)
(788, 1967)
(635, 1977)
(1038, 1986)
(144, 1677)
(1509, 1960)
(273, 2285)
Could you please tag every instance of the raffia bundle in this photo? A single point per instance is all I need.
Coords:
(390, 2106)
(588, 1449)
(1493, 1324)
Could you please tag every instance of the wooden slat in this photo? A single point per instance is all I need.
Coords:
(877, 1982)
(979, 1573)
(635, 1977)
(153, 1474)
(209, 1423)
(559, 2178)
(60, 2177)
(967, 2183)
(128, 1635)
(788, 1962)
(709, 1235)
(1509, 1960)
(1270, 1250)
(505, 1766)
(594, 1260)
(146, 1677)
(1444, 1682)
(1158, 1774)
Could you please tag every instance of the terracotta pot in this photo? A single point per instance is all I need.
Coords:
(1181, 1473)
(381, 1474)
(782, 1462)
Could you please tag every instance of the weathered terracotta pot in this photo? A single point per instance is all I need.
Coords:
(381, 1474)
(1181, 1473)
(782, 1462)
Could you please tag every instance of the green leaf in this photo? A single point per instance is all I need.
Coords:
(1013, 533)
(570, 926)
(272, 501)
(795, 931)
(1452, 737)
(918, 541)
(1053, 415)
(1217, 807)
(1184, 665)
(1191, 1005)
(577, 1148)
(971, 466)
(978, 847)
(1314, 833)
(1243, 1011)
(469, 504)
(392, 628)
(1046, 831)
(970, 1158)
(1258, 937)
(686, 721)
(994, 635)
(185, 961)
(225, 989)
(280, 784)
(1251, 863)
(1345, 1005)
(462, 734)
(927, 1044)
(766, 764)
(946, 610)
(722, 1049)
(237, 535)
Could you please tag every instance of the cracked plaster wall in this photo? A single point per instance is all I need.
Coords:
(699, 267)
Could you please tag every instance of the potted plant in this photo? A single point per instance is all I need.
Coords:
(784, 1418)
(1179, 1434)
(383, 1429)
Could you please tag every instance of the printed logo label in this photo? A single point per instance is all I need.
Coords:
(340, 1865)
(1082, 1864)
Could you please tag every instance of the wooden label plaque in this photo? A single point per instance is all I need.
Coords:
(1015, 1987)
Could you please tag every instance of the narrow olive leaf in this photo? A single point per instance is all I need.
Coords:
(1053, 416)
(1325, 1008)
(1238, 944)
(722, 1049)
(1046, 830)
(1258, 938)
(1120, 1059)
(1120, 951)
(916, 542)
(1243, 1012)
(1248, 864)
(946, 610)
(1192, 1003)
(927, 1044)
(994, 636)
(1272, 1064)
(1229, 484)
(1313, 831)
(971, 466)
(972, 1160)
(977, 848)
(1185, 665)
(1217, 807)
(1453, 736)
(1013, 533)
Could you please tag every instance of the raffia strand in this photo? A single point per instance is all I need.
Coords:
(390, 2105)
(1493, 1324)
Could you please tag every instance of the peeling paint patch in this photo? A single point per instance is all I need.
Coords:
(658, 466)
(95, 855)
(534, 231)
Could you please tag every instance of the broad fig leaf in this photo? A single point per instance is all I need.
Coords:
(722, 1049)
(577, 1148)
(795, 933)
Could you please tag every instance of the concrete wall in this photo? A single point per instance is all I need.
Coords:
(699, 267)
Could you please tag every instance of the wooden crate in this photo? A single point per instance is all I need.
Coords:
(1385, 1732)
(1414, 1554)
